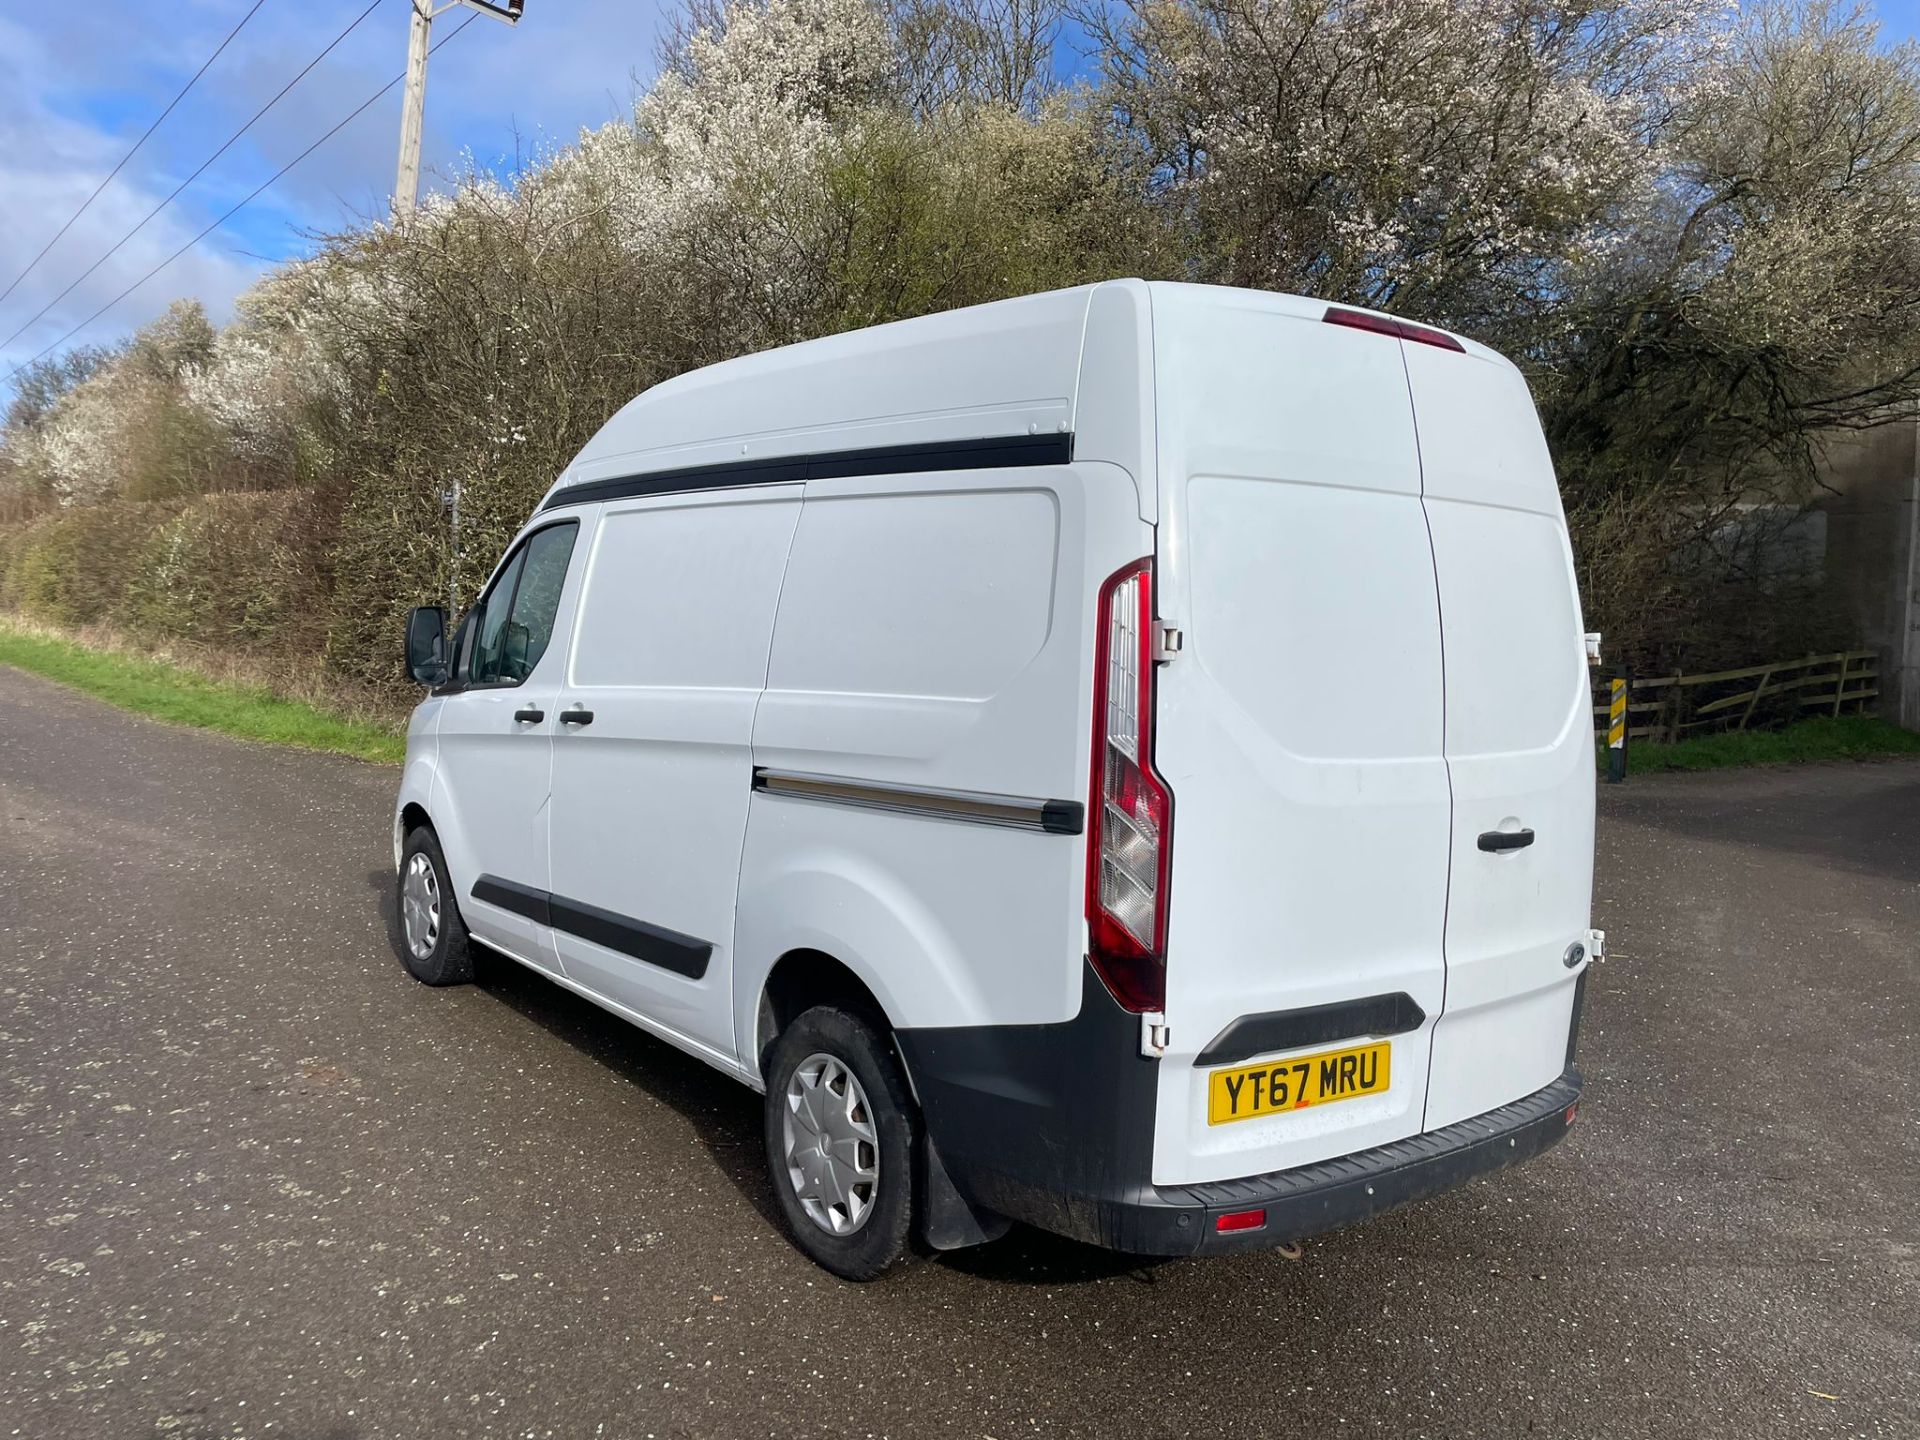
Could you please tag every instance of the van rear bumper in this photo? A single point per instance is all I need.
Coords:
(1314, 1199)
(1053, 1126)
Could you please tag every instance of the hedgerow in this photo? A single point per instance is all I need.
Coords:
(1698, 232)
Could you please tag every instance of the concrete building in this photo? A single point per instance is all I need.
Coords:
(1873, 552)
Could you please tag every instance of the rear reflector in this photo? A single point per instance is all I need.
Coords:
(1240, 1220)
(1131, 813)
(1387, 325)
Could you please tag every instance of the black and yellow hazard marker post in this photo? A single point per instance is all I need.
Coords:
(1617, 732)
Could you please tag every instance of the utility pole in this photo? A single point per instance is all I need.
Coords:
(413, 111)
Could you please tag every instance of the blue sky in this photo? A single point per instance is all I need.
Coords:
(79, 82)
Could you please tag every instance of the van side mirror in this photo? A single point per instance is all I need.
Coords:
(427, 661)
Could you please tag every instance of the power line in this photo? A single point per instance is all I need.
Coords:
(363, 107)
(131, 153)
(81, 277)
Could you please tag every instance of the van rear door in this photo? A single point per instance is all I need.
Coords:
(1300, 729)
(1519, 738)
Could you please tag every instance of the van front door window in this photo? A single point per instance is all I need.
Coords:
(515, 620)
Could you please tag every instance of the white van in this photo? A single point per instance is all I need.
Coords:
(1118, 760)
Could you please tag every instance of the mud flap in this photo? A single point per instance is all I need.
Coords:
(947, 1220)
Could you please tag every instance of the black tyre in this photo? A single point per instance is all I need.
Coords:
(840, 1133)
(433, 938)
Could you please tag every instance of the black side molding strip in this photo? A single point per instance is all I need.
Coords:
(995, 453)
(655, 944)
(975, 807)
(1253, 1035)
(522, 900)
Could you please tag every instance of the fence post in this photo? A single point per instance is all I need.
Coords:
(1617, 732)
(1758, 691)
(1840, 685)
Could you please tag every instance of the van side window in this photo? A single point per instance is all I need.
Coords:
(513, 624)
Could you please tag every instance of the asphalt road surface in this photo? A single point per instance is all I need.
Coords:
(258, 1182)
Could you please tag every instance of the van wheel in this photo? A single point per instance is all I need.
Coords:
(433, 938)
(840, 1134)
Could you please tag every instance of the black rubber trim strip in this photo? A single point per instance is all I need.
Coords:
(971, 807)
(1573, 1029)
(655, 944)
(1278, 1030)
(522, 900)
(994, 453)
(1063, 817)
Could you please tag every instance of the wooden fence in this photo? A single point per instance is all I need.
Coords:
(1759, 697)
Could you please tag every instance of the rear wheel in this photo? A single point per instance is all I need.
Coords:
(840, 1132)
(433, 938)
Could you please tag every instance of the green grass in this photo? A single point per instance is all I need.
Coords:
(1845, 737)
(173, 693)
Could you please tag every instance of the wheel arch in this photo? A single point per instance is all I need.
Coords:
(800, 979)
(408, 816)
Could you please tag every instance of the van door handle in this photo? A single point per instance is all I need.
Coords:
(1489, 840)
(529, 717)
(576, 716)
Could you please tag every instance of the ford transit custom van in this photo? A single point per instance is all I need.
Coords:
(1117, 760)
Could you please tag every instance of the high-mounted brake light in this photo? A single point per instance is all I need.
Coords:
(1130, 844)
(1387, 325)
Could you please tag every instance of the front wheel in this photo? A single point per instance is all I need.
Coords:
(433, 938)
(840, 1132)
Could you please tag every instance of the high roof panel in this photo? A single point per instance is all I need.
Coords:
(1008, 368)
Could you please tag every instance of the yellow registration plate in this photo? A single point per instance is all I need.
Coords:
(1293, 1084)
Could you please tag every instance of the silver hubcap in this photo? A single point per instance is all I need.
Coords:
(832, 1145)
(420, 905)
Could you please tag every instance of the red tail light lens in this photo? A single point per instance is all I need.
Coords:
(1387, 325)
(1240, 1220)
(1130, 845)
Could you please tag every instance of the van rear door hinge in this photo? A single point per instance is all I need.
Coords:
(1153, 1035)
(1167, 643)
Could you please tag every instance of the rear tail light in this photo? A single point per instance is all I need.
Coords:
(1387, 325)
(1129, 849)
(1240, 1220)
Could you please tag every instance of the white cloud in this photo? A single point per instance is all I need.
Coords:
(48, 165)
(570, 63)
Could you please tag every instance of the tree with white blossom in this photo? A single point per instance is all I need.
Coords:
(1697, 229)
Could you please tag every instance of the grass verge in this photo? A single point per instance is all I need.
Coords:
(1844, 737)
(171, 692)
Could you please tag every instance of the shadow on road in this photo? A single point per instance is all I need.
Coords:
(726, 1115)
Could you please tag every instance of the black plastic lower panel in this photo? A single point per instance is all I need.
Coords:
(1053, 1125)
(1049, 1124)
(1314, 1199)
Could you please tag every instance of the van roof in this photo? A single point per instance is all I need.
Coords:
(1013, 367)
